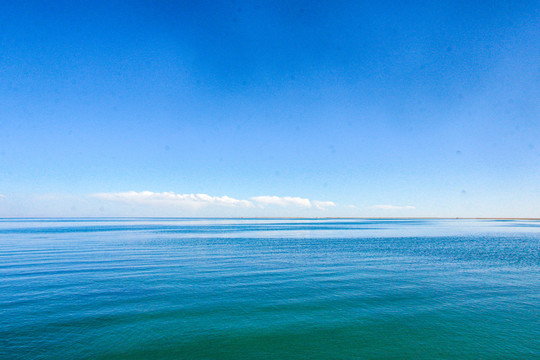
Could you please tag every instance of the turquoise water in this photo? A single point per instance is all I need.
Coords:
(269, 289)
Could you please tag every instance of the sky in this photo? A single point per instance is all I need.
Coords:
(270, 108)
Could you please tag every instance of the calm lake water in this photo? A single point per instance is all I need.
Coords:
(269, 289)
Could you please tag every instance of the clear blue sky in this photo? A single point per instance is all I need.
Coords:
(293, 108)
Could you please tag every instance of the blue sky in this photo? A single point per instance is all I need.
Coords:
(246, 108)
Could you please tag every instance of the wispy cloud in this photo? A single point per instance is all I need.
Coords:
(392, 207)
(2, 197)
(202, 200)
(323, 205)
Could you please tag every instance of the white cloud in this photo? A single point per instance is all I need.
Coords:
(392, 207)
(282, 201)
(2, 197)
(202, 200)
(171, 198)
(323, 205)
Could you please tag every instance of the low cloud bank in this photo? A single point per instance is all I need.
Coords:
(281, 201)
(392, 207)
(191, 200)
(201, 200)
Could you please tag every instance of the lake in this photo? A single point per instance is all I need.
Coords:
(179, 288)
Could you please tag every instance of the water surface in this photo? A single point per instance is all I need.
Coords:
(269, 289)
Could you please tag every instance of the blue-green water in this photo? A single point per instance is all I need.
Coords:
(269, 289)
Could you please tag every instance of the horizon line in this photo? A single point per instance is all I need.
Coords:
(278, 217)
